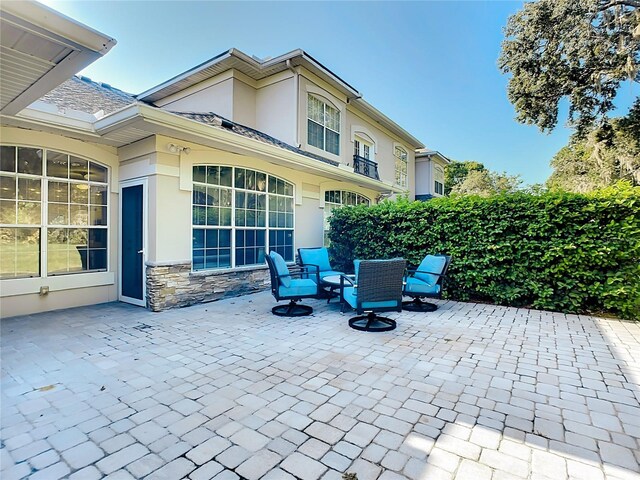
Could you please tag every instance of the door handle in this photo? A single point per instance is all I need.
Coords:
(141, 251)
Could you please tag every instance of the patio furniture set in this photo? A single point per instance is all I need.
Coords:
(375, 286)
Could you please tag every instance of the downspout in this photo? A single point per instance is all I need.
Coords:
(296, 87)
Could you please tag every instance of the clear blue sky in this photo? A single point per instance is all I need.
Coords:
(429, 66)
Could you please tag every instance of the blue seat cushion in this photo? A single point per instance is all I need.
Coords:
(351, 297)
(417, 286)
(316, 256)
(281, 268)
(299, 287)
(431, 264)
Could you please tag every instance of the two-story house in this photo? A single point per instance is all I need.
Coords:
(174, 196)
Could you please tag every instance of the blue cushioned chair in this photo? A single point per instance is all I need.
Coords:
(285, 286)
(377, 288)
(426, 281)
(316, 258)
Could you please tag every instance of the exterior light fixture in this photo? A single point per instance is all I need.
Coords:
(173, 148)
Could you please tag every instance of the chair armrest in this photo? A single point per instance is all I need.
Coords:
(303, 272)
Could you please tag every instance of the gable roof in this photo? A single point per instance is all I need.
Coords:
(85, 95)
(212, 119)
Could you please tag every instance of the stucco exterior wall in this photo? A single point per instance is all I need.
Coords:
(276, 110)
(244, 103)
(21, 296)
(216, 98)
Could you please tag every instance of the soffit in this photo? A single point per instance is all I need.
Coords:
(37, 54)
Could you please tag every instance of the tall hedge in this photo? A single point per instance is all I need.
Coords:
(557, 251)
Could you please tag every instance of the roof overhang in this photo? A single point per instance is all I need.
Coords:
(429, 154)
(139, 121)
(40, 49)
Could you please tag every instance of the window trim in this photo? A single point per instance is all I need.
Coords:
(325, 102)
(233, 228)
(102, 276)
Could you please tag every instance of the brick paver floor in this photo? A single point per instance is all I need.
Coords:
(227, 390)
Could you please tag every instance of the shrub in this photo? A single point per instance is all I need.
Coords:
(566, 252)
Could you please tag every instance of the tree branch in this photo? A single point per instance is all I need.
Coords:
(615, 3)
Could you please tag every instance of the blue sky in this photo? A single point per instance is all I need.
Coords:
(429, 66)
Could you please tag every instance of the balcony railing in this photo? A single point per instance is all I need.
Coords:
(366, 167)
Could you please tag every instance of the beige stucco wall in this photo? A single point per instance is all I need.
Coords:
(275, 110)
(216, 98)
(21, 296)
(244, 103)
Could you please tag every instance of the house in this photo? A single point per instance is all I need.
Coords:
(429, 173)
(172, 196)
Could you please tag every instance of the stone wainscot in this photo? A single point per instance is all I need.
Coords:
(171, 285)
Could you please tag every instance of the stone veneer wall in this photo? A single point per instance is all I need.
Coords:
(175, 285)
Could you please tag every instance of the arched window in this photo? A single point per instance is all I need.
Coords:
(338, 198)
(53, 213)
(438, 180)
(401, 166)
(238, 215)
(323, 125)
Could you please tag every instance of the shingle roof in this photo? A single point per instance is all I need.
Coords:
(85, 95)
(209, 118)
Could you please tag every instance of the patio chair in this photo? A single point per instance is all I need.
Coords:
(426, 281)
(377, 288)
(317, 258)
(284, 286)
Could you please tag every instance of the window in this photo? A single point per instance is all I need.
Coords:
(438, 180)
(338, 198)
(323, 125)
(53, 206)
(401, 166)
(238, 215)
(362, 148)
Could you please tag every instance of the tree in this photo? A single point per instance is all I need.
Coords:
(456, 172)
(603, 157)
(576, 49)
(486, 183)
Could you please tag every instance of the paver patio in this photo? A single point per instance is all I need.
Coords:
(226, 390)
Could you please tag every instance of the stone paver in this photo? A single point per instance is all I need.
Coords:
(228, 391)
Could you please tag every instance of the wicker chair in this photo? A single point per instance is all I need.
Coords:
(377, 288)
(426, 281)
(284, 286)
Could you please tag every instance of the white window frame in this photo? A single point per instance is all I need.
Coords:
(233, 228)
(44, 225)
(401, 156)
(324, 125)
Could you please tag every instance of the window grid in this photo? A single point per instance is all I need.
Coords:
(338, 198)
(401, 166)
(53, 213)
(323, 125)
(257, 207)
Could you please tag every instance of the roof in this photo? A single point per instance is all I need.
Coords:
(85, 95)
(213, 120)
(40, 49)
(423, 152)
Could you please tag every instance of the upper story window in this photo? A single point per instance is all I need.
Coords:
(401, 166)
(53, 213)
(362, 148)
(238, 215)
(338, 198)
(438, 180)
(323, 125)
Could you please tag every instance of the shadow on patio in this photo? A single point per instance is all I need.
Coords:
(226, 390)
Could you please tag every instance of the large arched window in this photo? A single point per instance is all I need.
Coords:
(338, 198)
(53, 213)
(238, 215)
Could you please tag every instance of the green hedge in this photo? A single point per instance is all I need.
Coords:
(557, 251)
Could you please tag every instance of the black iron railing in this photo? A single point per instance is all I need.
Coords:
(366, 167)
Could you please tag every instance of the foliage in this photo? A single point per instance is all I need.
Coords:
(554, 251)
(456, 172)
(486, 183)
(605, 156)
(576, 49)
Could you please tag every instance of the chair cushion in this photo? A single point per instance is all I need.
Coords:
(351, 297)
(433, 264)
(316, 256)
(299, 287)
(417, 286)
(281, 268)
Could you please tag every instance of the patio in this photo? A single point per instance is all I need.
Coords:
(226, 390)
